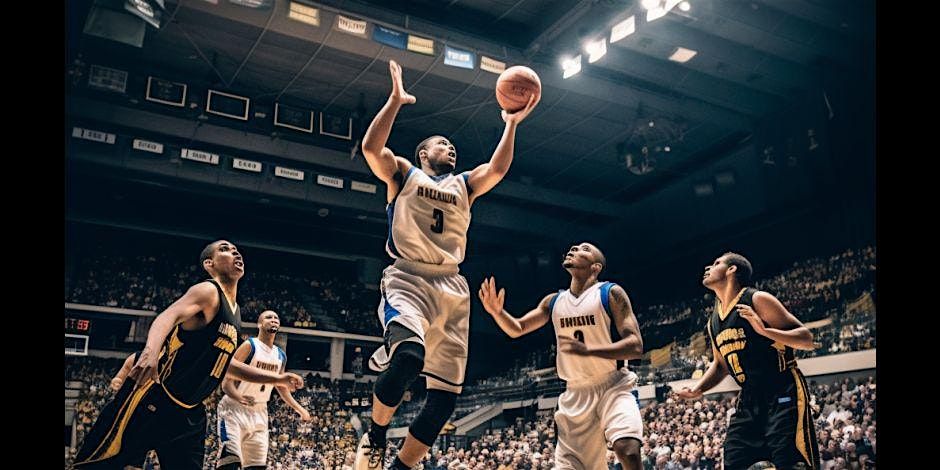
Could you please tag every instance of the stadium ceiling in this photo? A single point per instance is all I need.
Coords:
(752, 57)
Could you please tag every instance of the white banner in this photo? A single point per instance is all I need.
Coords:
(330, 181)
(351, 26)
(289, 173)
(363, 187)
(148, 146)
(304, 13)
(420, 45)
(200, 156)
(492, 65)
(247, 165)
(96, 136)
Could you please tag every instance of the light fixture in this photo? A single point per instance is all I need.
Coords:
(682, 55)
(596, 49)
(571, 66)
(623, 29)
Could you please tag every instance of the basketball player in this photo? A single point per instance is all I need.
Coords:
(189, 348)
(243, 411)
(598, 410)
(753, 337)
(425, 305)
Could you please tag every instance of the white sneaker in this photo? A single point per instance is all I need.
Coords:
(367, 456)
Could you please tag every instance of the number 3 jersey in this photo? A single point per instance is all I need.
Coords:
(429, 218)
(587, 319)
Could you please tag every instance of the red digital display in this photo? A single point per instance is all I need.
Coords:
(77, 324)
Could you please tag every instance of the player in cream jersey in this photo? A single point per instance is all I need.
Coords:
(598, 410)
(429, 218)
(425, 303)
(243, 411)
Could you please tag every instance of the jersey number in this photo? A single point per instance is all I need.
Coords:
(579, 335)
(438, 226)
(219, 365)
(735, 364)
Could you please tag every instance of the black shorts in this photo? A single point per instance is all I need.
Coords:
(138, 420)
(775, 424)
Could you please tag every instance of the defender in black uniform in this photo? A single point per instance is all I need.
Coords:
(159, 406)
(753, 337)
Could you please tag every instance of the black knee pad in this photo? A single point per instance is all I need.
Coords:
(405, 365)
(436, 411)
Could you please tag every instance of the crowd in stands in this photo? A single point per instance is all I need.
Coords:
(679, 434)
(150, 282)
(813, 289)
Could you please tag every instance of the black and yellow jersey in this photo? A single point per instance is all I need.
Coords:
(193, 363)
(753, 359)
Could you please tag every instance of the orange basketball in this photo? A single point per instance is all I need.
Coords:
(514, 87)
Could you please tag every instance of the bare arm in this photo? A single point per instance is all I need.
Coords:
(630, 345)
(201, 297)
(118, 379)
(512, 326)
(288, 398)
(716, 372)
(228, 384)
(486, 176)
(782, 326)
(241, 371)
(381, 160)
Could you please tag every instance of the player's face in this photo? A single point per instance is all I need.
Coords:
(582, 255)
(270, 322)
(228, 260)
(442, 155)
(715, 272)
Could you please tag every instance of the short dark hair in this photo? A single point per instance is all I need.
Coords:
(207, 252)
(744, 271)
(423, 145)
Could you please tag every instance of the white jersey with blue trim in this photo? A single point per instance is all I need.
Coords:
(266, 358)
(429, 218)
(586, 318)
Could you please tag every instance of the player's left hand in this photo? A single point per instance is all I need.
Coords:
(572, 346)
(304, 415)
(748, 313)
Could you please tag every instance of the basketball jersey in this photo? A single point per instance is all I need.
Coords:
(753, 359)
(429, 218)
(271, 359)
(587, 319)
(193, 363)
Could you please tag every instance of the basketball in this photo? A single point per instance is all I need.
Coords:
(514, 87)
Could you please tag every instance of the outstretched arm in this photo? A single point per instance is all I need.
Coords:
(381, 160)
(486, 176)
(512, 326)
